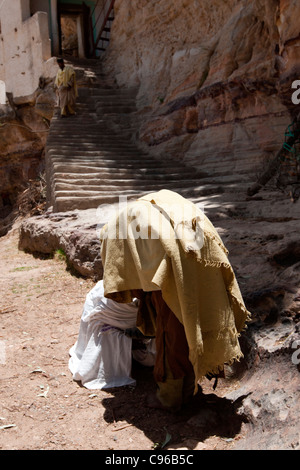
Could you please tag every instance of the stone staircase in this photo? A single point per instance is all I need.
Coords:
(91, 158)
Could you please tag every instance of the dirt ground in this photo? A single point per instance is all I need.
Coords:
(42, 408)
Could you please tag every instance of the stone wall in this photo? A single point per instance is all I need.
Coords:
(24, 47)
(214, 78)
(2, 92)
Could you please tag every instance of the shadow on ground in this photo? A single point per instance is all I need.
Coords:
(206, 415)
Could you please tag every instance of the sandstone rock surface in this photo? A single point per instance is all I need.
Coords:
(75, 233)
(214, 78)
(23, 136)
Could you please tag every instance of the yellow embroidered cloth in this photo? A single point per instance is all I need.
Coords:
(180, 253)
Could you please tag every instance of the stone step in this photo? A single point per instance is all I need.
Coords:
(113, 99)
(114, 110)
(95, 195)
(115, 102)
(112, 185)
(121, 173)
(101, 184)
(99, 129)
(110, 93)
(107, 186)
(92, 137)
(103, 155)
(121, 179)
(113, 161)
(85, 102)
(93, 171)
(88, 163)
(72, 139)
(84, 121)
(67, 139)
(79, 202)
(92, 149)
(92, 123)
(112, 166)
(70, 203)
(108, 108)
(116, 152)
(99, 141)
(95, 125)
(84, 108)
(88, 111)
(98, 195)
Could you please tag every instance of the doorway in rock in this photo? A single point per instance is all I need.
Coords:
(74, 29)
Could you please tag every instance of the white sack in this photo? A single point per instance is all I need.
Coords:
(102, 356)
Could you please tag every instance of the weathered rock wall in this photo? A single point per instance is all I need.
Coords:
(214, 78)
(24, 126)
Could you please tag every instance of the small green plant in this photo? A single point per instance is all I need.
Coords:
(161, 445)
(60, 255)
(22, 268)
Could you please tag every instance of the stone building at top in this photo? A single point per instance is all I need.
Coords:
(34, 32)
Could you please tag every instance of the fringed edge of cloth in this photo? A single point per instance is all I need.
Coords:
(203, 370)
(220, 368)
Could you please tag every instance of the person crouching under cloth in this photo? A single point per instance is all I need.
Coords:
(66, 88)
(163, 250)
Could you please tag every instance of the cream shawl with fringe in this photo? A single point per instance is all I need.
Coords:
(180, 253)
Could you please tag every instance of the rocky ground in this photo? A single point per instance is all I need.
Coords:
(255, 407)
(43, 408)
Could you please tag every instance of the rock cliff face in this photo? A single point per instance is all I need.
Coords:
(24, 125)
(214, 78)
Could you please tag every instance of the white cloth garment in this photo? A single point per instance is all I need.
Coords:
(102, 356)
